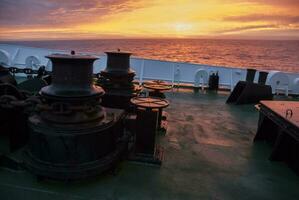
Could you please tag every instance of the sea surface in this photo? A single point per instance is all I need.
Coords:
(259, 54)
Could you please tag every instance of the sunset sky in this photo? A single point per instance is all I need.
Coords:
(79, 19)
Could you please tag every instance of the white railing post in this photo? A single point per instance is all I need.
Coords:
(14, 57)
(201, 83)
(173, 74)
(141, 72)
(231, 80)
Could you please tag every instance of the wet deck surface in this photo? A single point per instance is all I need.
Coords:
(209, 154)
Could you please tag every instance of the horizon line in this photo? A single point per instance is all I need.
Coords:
(148, 38)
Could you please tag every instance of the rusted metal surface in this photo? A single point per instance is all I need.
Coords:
(157, 85)
(288, 110)
(279, 125)
(149, 102)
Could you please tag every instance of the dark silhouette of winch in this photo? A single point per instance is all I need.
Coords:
(71, 135)
(117, 81)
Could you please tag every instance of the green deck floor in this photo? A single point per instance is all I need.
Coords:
(209, 154)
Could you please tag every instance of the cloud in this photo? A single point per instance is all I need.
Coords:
(59, 12)
(283, 19)
(284, 3)
(248, 28)
(84, 18)
(278, 2)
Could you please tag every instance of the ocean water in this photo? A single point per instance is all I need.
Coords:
(259, 54)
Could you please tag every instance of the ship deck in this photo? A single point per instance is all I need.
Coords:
(208, 154)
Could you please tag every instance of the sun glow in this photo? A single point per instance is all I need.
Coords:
(183, 27)
(156, 18)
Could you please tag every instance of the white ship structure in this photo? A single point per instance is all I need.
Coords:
(178, 73)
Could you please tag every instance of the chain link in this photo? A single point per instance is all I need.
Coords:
(35, 103)
(6, 101)
(15, 70)
(10, 102)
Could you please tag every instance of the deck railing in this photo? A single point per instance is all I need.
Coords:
(148, 69)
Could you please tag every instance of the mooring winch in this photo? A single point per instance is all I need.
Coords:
(71, 135)
(117, 81)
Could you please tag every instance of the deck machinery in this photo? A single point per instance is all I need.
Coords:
(117, 81)
(247, 92)
(72, 133)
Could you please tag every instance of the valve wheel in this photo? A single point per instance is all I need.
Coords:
(149, 102)
(157, 85)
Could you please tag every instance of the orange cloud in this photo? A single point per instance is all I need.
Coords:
(52, 19)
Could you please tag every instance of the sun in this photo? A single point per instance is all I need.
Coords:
(182, 27)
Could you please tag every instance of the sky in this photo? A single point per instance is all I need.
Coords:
(93, 19)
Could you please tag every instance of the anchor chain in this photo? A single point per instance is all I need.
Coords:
(41, 70)
(15, 70)
(11, 102)
(34, 103)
